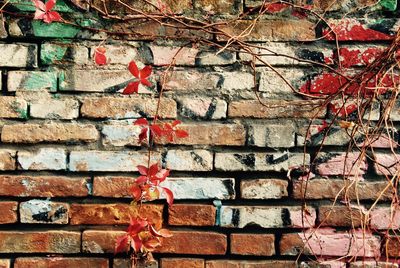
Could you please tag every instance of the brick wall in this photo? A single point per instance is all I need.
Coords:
(69, 150)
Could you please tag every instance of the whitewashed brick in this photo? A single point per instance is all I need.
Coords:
(54, 109)
(195, 160)
(18, 55)
(271, 135)
(42, 159)
(263, 189)
(117, 133)
(237, 81)
(202, 108)
(32, 81)
(43, 211)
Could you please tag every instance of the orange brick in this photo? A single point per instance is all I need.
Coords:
(194, 215)
(182, 262)
(60, 262)
(253, 244)
(8, 212)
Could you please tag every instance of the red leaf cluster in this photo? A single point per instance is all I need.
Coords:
(166, 130)
(43, 11)
(141, 236)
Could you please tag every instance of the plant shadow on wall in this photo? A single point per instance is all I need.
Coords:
(349, 98)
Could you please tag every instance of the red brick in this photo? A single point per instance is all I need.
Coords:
(42, 186)
(40, 242)
(385, 218)
(249, 264)
(340, 164)
(182, 262)
(100, 241)
(8, 212)
(7, 160)
(191, 215)
(192, 242)
(328, 242)
(111, 214)
(53, 132)
(112, 6)
(60, 262)
(387, 164)
(112, 186)
(276, 109)
(341, 216)
(392, 246)
(270, 30)
(253, 244)
(319, 188)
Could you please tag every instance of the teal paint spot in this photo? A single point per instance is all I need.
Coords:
(389, 4)
(52, 53)
(218, 205)
(54, 29)
(41, 80)
(23, 113)
(27, 5)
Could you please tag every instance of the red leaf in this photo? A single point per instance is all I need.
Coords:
(143, 135)
(146, 82)
(99, 56)
(141, 179)
(121, 244)
(43, 11)
(169, 195)
(136, 192)
(136, 244)
(176, 122)
(141, 122)
(153, 169)
(142, 170)
(133, 69)
(131, 88)
(156, 130)
(162, 175)
(50, 4)
(180, 133)
(152, 243)
(145, 72)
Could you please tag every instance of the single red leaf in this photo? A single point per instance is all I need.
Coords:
(145, 72)
(146, 82)
(136, 244)
(141, 122)
(180, 133)
(143, 135)
(153, 170)
(50, 4)
(131, 88)
(142, 170)
(169, 195)
(156, 130)
(176, 122)
(121, 244)
(99, 56)
(136, 192)
(133, 69)
(141, 180)
(151, 243)
(162, 175)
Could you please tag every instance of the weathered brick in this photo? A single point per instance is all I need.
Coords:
(173, 6)
(323, 134)
(202, 108)
(40, 242)
(121, 54)
(100, 241)
(263, 189)
(8, 213)
(184, 80)
(194, 242)
(351, 56)
(385, 218)
(259, 161)
(269, 30)
(276, 109)
(330, 243)
(43, 186)
(32, 81)
(120, 108)
(63, 53)
(195, 160)
(373, 264)
(337, 163)
(266, 217)
(322, 188)
(253, 244)
(183, 188)
(233, 81)
(213, 134)
(250, 264)
(182, 262)
(272, 135)
(60, 262)
(13, 107)
(275, 87)
(18, 55)
(392, 246)
(116, 133)
(42, 159)
(191, 215)
(394, 111)
(219, 7)
(56, 109)
(163, 55)
(208, 58)
(387, 164)
(113, 214)
(342, 216)
(126, 263)
(7, 159)
(49, 132)
(43, 211)
(109, 160)
(3, 31)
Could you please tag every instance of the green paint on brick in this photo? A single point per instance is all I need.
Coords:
(389, 4)
(27, 5)
(52, 53)
(23, 113)
(55, 29)
(41, 80)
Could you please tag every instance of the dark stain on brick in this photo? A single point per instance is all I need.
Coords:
(285, 215)
(211, 109)
(273, 161)
(325, 157)
(46, 217)
(235, 217)
(248, 160)
(198, 159)
(317, 138)
(229, 186)
(31, 55)
(383, 26)
(307, 54)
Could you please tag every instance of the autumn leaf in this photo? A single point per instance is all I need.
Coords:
(43, 11)
(100, 57)
(142, 75)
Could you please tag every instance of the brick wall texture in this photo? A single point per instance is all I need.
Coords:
(69, 149)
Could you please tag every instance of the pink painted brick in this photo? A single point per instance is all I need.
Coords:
(385, 218)
(387, 164)
(341, 163)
